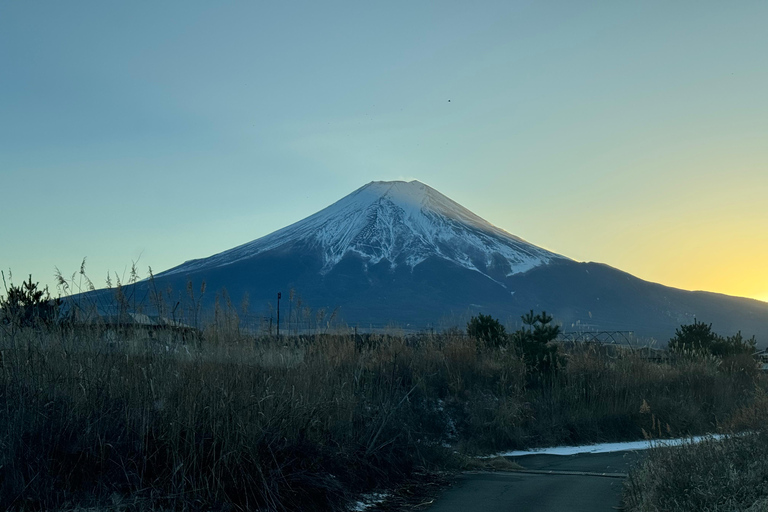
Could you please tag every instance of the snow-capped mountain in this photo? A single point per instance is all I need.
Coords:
(397, 222)
(400, 253)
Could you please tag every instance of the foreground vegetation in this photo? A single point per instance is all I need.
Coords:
(130, 417)
(716, 475)
(305, 424)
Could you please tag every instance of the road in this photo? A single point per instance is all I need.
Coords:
(583, 482)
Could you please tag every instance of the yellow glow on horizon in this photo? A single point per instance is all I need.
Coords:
(721, 259)
(718, 245)
(740, 280)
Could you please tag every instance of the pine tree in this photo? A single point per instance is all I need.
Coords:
(28, 305)
(699, 337)
(487, 329)
(534, 341)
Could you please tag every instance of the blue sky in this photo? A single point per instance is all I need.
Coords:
(631, 133)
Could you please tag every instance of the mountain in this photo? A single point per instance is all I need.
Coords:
(403, 254)
(401, 224)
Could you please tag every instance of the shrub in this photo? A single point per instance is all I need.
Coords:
(733, 345)
(698, 337)
(487, 329)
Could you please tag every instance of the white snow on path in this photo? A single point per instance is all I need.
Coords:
(609, 447)
(370, 500)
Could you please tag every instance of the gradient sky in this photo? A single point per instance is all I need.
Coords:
(629, 133)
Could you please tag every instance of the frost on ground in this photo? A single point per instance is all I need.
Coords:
(368, 500)
(608, 447)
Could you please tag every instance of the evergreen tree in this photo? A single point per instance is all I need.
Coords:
(487, 329)
(27, 305)
(699, 337)
(534, 341)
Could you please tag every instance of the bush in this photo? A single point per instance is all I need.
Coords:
(733, 345)
(698, 337)
(487, 329)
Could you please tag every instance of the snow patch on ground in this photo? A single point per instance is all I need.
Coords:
(367, 501)
(609, 447)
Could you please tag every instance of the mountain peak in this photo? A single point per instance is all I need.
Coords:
(397, 222)
(403, 191)
(406, 193)
(415, 198)
(410, 194)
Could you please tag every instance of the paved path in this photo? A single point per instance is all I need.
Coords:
(583, 482)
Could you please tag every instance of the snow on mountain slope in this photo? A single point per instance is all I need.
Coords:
(402, 223)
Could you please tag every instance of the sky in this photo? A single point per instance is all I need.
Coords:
(629, 133)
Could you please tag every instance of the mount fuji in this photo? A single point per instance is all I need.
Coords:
(403, 254)
(399, 224)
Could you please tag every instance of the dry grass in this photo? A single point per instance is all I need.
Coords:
(489, 464)
(238, 423)
(715, 475)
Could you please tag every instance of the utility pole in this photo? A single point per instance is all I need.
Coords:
(278, 314)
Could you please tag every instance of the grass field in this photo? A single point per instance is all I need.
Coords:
(94, 418)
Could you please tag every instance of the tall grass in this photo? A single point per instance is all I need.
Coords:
(304, 424)
(237, 422)
(83, 424)
(715, 475)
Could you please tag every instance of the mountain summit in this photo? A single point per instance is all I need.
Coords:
(401, 253)
(400, 223)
